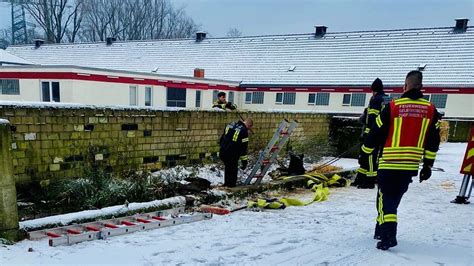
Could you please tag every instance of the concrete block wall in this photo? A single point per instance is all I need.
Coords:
(54, 142)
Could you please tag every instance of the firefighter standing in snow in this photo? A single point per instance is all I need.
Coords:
(408, 131)
(366, 176)
(234, 143)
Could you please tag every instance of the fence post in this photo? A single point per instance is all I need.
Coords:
(8, 205)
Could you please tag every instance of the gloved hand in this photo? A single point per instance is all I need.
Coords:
(230, 106)
(244, 164)
(425, 173)
(364, 160)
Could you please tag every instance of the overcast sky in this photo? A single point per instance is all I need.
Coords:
(260, 17)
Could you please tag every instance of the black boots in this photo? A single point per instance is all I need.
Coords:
(377, 235)
(388, 236)
(386, 245)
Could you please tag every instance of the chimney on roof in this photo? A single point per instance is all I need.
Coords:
(320, 31)
(461, 24)
(199, 73)
(38, 43)
(200, 35)
(110, 40)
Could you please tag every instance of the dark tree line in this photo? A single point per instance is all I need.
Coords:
(66, 21)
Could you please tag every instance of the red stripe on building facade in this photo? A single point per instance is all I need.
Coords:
(115, 79)
(214, 86)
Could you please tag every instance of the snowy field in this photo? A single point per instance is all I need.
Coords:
(432, 231)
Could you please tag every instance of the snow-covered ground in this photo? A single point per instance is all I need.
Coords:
(432, 231)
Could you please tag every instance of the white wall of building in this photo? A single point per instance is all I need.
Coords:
(118, 93)
(459, 105)
(107, 93)
(301, 103)
(29, 91)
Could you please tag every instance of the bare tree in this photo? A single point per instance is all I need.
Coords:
(135, 20)
(57, 17)
(234, 32)
(95, 20)
(6, 35)
(98, 19)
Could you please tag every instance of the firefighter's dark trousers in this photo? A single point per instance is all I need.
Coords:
(392, 185)
(231, 171)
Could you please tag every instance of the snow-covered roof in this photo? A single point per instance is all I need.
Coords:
(9, 59)
(340, 58)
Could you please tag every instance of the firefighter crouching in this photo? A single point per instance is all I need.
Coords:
(407, 130)
(366, 176)
(234, 143)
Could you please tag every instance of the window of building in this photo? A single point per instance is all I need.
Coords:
(322, 98)
(10, 86)
(279, 98)
(175, 97)
(214, 95)
(358, 99)
(198, 98)
(248, 97)
(439, 100)
(426, 97)
(50, 91)
(257, 97)
(148, 96)
(395, 95)
(346, 100)
(133, 95)
(289, 98)
(231, 97)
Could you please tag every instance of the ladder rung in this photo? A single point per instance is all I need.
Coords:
(143, 221)
(274, 148)
(284, 133)
(51, 234)
(73, 232)
(127, 223)
(113, 226)
(92, 228)
(158, 218)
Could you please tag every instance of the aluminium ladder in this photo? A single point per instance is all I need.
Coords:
(268, 156)
(68, 235)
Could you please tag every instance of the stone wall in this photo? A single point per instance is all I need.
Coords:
(8, 207)
(53, 142)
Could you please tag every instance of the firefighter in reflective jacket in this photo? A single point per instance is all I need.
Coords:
(366, 176)
(222, 102)
(407, 130)
(234, 143)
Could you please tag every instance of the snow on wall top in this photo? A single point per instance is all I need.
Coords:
(344, 58)
(54, 105)
(4, 122)
(7, 58)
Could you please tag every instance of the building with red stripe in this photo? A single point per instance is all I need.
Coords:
(316, 72)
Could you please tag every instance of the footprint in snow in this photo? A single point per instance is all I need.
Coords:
(228, 248)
